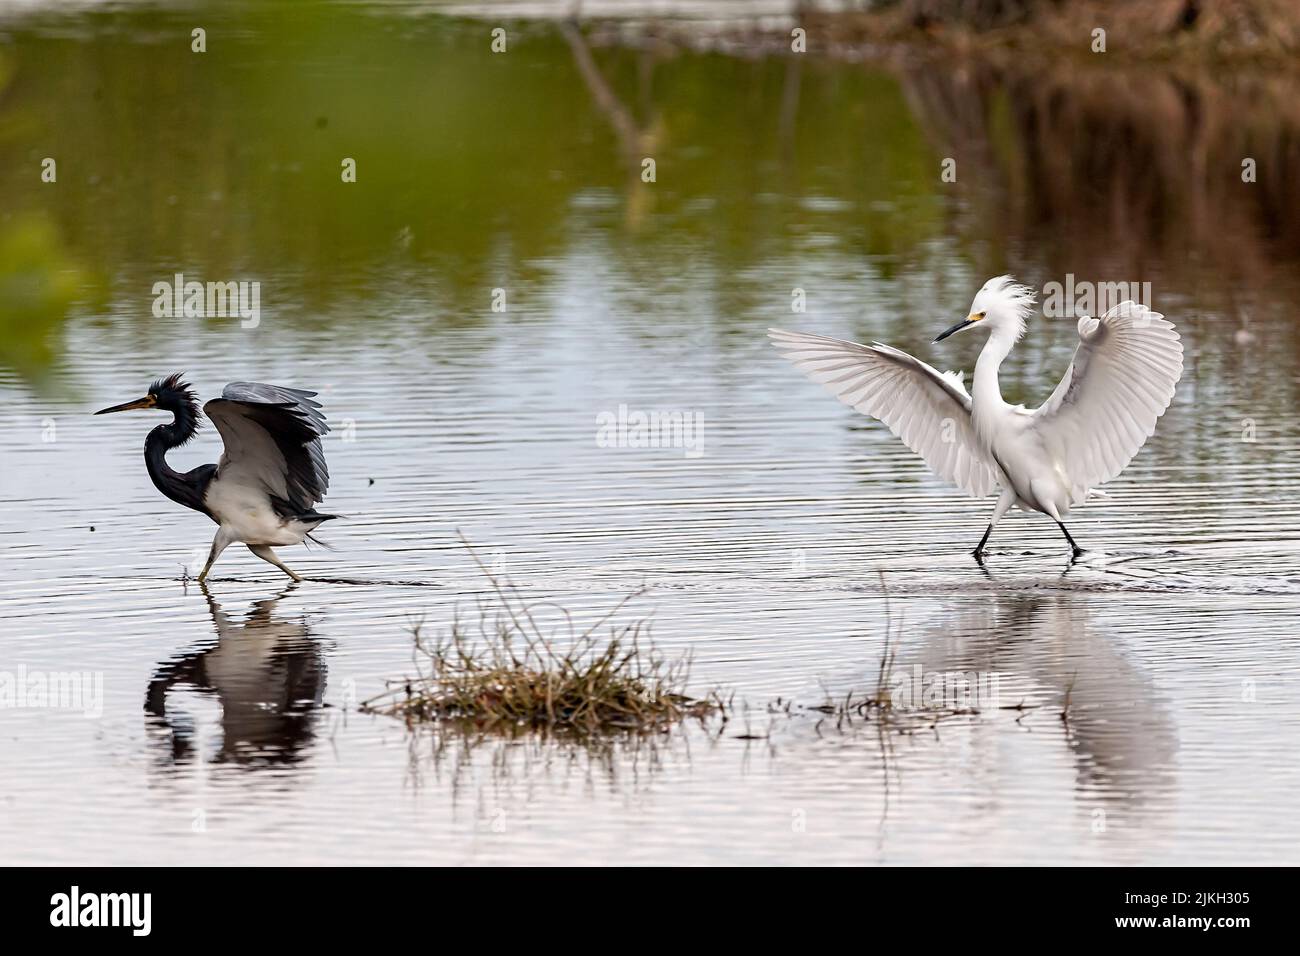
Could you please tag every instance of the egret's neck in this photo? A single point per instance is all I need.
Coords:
(985, 392)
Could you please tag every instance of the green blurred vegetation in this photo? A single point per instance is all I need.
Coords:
(477, 170)
(38, 284)
(469, 165)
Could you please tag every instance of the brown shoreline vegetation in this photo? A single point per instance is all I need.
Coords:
(1220, 31)
(1224, 34)
(1110, 164)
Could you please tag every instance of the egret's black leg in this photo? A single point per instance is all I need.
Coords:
(1077, 550)
(979, 548)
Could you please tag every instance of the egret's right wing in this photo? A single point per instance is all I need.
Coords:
(928, 410)
(1120, 381)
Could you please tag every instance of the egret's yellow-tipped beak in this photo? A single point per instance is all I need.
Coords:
(969, 320)
(147, 402)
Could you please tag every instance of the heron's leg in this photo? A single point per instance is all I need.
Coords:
(266, 554)
(1077, 550)
(1005, 501)
(222, 541)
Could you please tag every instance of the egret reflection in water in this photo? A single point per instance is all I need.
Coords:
(266, 672)
(1052, 655)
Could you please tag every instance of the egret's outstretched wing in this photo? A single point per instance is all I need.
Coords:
(1120, 381)
(272, 437)
(928, 410)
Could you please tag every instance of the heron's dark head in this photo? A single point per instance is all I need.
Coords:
(169, 394)
(174, 394)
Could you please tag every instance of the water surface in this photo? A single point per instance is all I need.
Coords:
(777, 557)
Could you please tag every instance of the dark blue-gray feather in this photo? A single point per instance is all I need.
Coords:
(294, 422)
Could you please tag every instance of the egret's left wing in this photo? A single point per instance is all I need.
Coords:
(928, 410)
(1119, 383)
(272, 437)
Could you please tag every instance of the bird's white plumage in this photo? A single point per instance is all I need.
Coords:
(272, 441)
(1119, 383)
(251, 457)
(930, 411)
(272, 470)
(244, 510)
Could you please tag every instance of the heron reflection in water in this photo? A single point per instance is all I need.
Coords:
(266, 672)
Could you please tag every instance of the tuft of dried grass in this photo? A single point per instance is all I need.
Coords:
(511, 675)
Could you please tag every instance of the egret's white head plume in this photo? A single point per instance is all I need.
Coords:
(1003, 303)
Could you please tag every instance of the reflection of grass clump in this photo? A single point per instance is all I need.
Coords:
(880, 703)
(510, 675)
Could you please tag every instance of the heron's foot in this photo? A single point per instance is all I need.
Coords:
(978, 555)
(294, 576)
(266, 554)
(1077, 553)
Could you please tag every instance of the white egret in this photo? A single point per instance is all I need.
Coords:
(1049, 459)
(272, 473)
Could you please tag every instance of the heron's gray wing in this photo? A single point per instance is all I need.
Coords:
(1119, 383)
(272, 437)
(928, 410)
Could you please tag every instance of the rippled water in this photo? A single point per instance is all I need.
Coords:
(777, 556)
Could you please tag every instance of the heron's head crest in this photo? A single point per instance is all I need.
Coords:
(173, 384)
(174, 394)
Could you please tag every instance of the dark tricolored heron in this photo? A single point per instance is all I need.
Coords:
(264, 490)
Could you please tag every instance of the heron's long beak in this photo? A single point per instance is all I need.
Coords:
(146, 402)
(969, 320)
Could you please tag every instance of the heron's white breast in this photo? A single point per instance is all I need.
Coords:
(246, 511)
